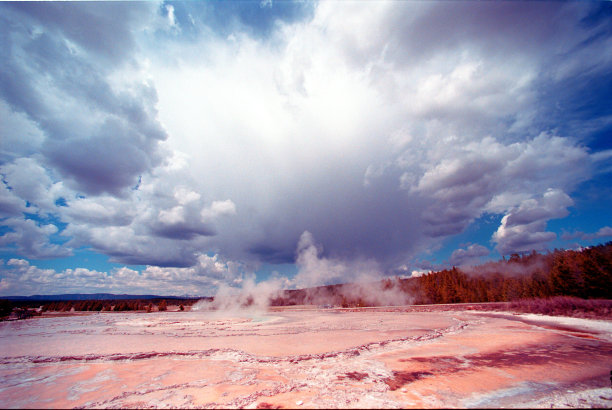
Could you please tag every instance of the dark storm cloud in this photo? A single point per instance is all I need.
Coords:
(462, 82)
(349, 220)
(419, 31)
(57, 59)
(565, 43)
(103, 28)
(183, 230)
(284, 253)
(511, 30)
(368, 132)
(461, 182)
(107, 161)
(175, 259)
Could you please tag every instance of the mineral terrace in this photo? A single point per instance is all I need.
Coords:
(306, 358)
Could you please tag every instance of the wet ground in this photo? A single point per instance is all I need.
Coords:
(306, 358)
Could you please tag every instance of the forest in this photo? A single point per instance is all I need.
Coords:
(585, 274)
(24, 308)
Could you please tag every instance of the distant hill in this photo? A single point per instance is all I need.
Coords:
(91, 296)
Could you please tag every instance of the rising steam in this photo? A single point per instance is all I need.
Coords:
(363, 285)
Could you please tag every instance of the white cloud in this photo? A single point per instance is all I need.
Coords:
(217, 209)
(10, 204)
(417, 273)
(468, 256)
(184, 195)
(466, 178)
(32, 239)
(603, 232)
(20, 135)
(171, 17)
(31, 182)
(100, 211)
(19, 277)
(523, 228)
(172, 216)
(381, 129)
(155, 224)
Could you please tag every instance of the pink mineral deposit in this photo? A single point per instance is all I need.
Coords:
(305, 357)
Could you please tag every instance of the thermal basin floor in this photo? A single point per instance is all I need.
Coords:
(309, 358)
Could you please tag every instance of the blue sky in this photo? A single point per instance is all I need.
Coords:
(180, 147)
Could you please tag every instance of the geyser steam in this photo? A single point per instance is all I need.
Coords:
(364, 285)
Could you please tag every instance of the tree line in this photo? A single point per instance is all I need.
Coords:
(585, 273)
(27, 308)
(115, 305)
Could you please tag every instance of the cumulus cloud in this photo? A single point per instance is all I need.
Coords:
(31, 182)
(487, 176)
(31, 239)
(468, 256)
(20, 277)
(524, 227)
(457, 141)
(218, 208)
(603, 232)
(58, 61)
(10, 204)
(156, 224)
(174, 223)
(21, 137)
(380, 130)
(99, 211)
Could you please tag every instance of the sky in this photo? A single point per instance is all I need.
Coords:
(179, 147)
